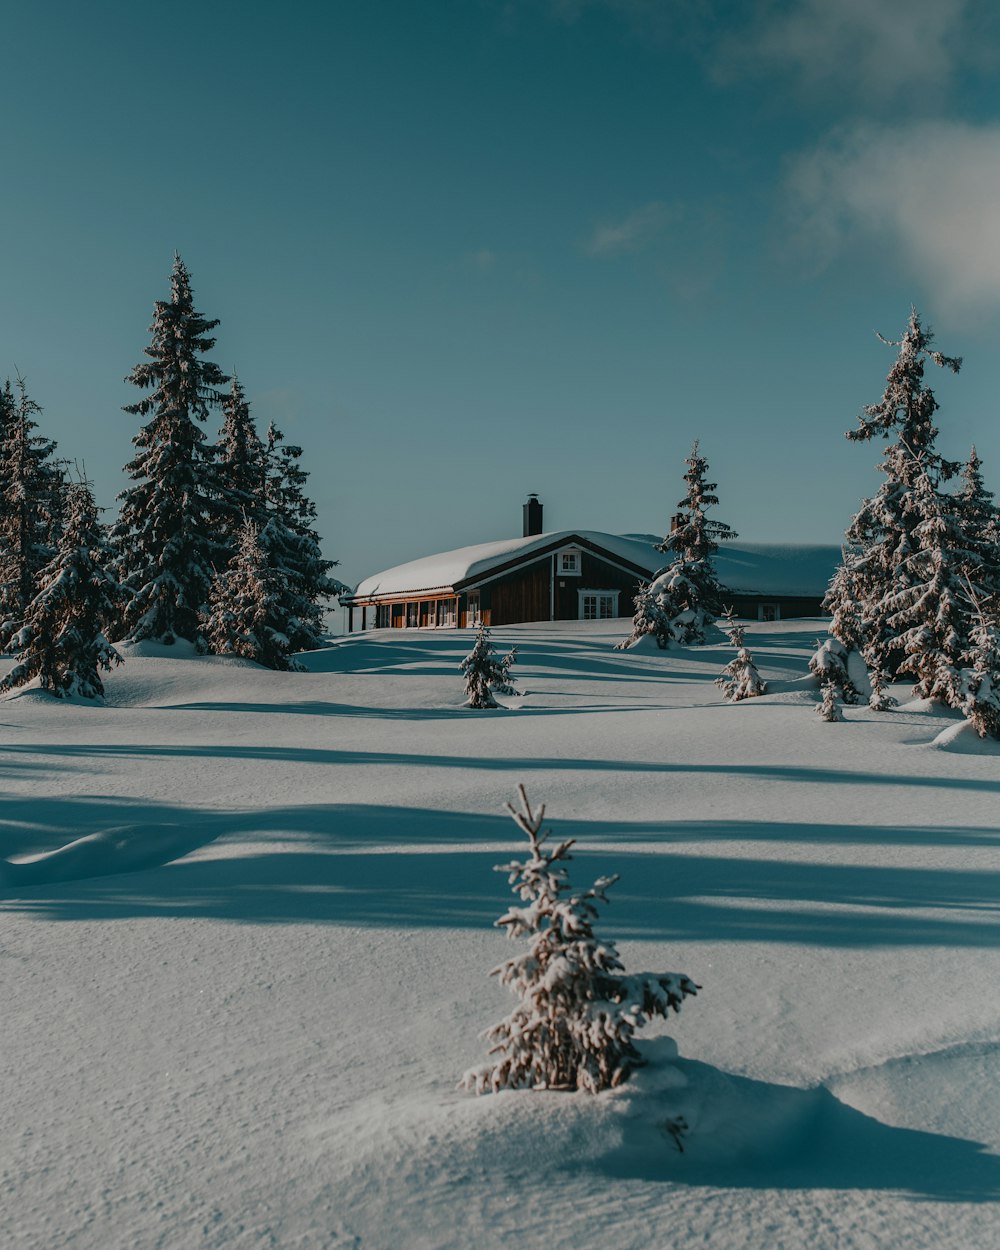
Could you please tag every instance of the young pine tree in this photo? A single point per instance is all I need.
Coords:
(30, 486)
(485, 673)
(687, 589)
(578, 1011)
(61, 641)
(168, 533)
(739, 679)
(246, 609)
(829, 708)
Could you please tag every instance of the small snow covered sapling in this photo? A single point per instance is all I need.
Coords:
(830, 708)
(578, 1011)
(485, 673)
(739, 679)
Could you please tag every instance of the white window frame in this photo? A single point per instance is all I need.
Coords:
(761, 607)
(575, 555)
(473, 610)
(600, 597)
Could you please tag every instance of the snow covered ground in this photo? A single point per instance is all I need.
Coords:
(247, 931)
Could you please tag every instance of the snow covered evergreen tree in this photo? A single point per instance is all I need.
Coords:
(688, 590)
(739, 679)
(240, 469)
(648, 618)
(292, 544)
(485, 673)
(980, 700)
(61, 641)
(881, 537)
(829, 709)
(30, 487)
(831, 664)
(930, 615)
(980, 521)
(247, 608)
(682, 599)
(574, 1025)
(169, 532)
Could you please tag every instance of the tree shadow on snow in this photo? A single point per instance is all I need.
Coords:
(514, 765)
(379, 866)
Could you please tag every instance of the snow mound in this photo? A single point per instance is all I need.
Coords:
(127, 848)
(32, 692)
(962, 738)
(181, 649)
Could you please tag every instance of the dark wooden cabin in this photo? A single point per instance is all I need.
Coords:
(572, 575)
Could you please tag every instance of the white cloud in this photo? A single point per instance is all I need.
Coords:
(632, 233)
(876, 49)
(930, 191)
(482, 260)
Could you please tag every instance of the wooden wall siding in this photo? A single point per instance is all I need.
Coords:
(596, 574)
(521, 596)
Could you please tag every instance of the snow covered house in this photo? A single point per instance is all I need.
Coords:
(570, 575)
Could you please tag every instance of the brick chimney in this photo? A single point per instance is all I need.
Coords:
(532, 517)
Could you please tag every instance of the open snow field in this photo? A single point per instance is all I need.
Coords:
(250, 1035)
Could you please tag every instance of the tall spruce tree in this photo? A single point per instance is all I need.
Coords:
(168, 533)
(881, 539)
(61, 640)
(293, 545)
(30, 486)
(241, 469)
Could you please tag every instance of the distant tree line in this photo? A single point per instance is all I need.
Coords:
(215, 543)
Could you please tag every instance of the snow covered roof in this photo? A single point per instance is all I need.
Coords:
(777, 568)
(745, 568)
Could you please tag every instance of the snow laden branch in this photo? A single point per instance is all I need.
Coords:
(578, 1010)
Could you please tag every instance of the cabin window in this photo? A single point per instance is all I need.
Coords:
(472, 617)
(382, 617)
(412, 615)
(446, 613)
(769, 612)
(598, 605)
(568, 563)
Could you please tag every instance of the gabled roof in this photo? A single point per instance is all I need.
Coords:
(779, 569)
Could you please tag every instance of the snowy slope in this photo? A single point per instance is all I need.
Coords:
(248, 1033)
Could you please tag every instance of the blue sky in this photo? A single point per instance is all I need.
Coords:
(466, 249)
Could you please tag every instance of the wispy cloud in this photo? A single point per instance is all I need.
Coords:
(483, 260)
(928, 190)
(873, 49)
(631, 233)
